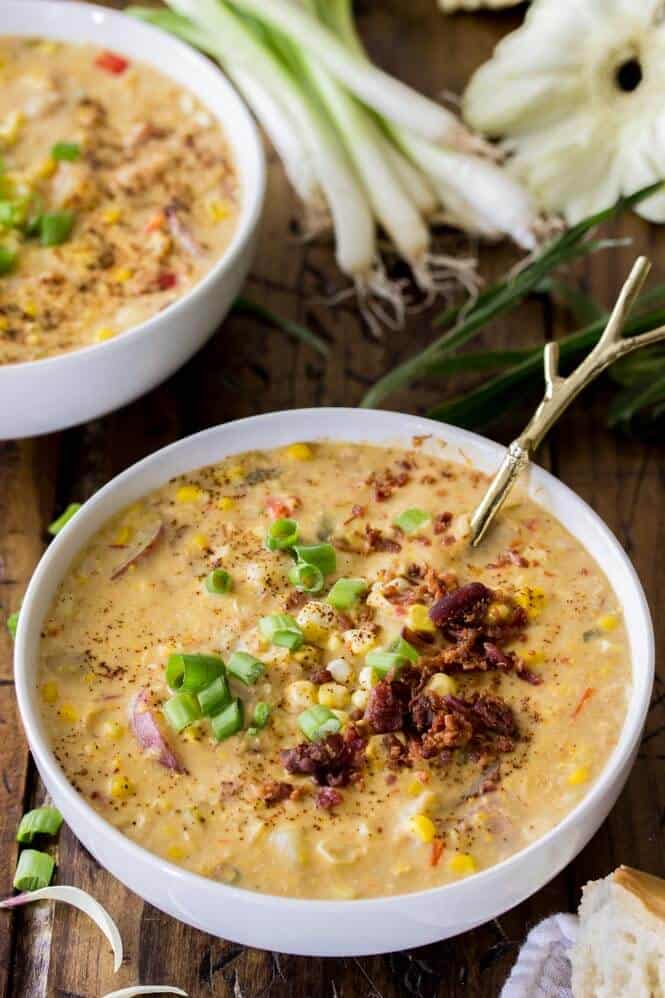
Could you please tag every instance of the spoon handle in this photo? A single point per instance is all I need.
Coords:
(560, 392)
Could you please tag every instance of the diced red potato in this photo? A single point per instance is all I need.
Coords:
(72, 186)
(148, 541)
(279, 507)
(148, 734)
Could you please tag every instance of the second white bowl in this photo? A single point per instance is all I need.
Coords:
(47, 395)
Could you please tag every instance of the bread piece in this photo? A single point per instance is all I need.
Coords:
(620, 949)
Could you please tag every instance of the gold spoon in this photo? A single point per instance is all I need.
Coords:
(560, 392)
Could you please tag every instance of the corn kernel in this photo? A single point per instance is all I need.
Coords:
(497, 613)
(112, 729)
(359, 699)
(462, 864)
(123, 536)
(188, 493)
(578, 776)
(45, 169)
(175, 853)
(608, 622)
(442, 684)
(68, 713)
(418, 619)
(532, 600)
(29, 309)
(236, 472)
(308, 655)
(315, 620)
(225, 503)
(4, 323)
(360, 640)
(10, 127)
(367, 677)
(49, 692)
(111, 216)
(200, 542)
(340, 670)
(301, 694)
(122, 275)
(415, 788)
(299, 452)
(333, 695)
(219, 210)
(533, 657)
(422, 827)
(105, 333)
(334, 643)
(121, 787)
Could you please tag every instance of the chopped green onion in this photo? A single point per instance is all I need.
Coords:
(41, 821)
(219, 582)
(63, 520)
(12, 623)
(281, 629)
(260, 718)
(12, 214)
(346, 592)
(69, 151)
(245, 667)
(215, 696)
(412, 519)
(228, 722)
(406, 650)
(306, 578)
(282, 534)
(55, 228)
(193, 673)
(318, 722)
(7, 259)
(323, 556)
(182, 710)
(34, 870)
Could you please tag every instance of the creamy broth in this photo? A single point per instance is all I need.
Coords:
(135, 178)
(430, 761)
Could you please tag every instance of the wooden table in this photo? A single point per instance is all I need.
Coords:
(248, 368)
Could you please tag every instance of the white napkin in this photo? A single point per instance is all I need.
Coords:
(543, 968)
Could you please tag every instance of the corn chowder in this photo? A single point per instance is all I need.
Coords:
(117, 194)
(292, 673)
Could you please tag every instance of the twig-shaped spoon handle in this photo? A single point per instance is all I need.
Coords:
(560, 392)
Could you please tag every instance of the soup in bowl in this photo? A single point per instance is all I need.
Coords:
(277, 663)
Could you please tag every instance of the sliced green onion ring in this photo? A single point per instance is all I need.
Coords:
(7, 259)
(322, 556)
(405, 650)
(55, 228)
(12, 623)
(346, 592)
(318, 722)
(282, 630)
(219, 582)
(34, 870)
(245, 667)
(62, 521)
(66, 151)
(215, 696)
(261, 715)
(282, 535)
(412, 520)
(182, 710)
(41, 821)
(228, 722)
(193, 673)
(306, 578)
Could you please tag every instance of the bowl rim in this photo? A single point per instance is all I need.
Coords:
(251, 206)
(621, 756)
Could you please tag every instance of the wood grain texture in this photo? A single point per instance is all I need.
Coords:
(247, 368)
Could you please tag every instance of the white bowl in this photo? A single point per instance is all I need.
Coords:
(331, 928)
(47, 395)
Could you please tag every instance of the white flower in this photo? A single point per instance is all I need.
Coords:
(578, 94)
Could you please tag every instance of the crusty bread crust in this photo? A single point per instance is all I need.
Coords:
(620, 950)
